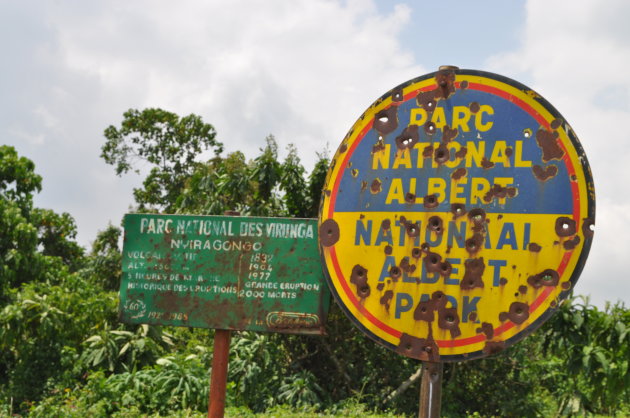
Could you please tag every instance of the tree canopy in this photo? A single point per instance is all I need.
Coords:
(170, 144)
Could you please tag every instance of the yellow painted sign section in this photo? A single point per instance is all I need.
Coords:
(457, 213)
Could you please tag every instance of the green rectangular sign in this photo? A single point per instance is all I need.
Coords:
(223, 272)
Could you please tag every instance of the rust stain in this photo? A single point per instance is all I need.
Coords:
(473, 273)
(474, 107)
(395, 272)
(426, 100)
(548, 277)
(386, 299)
(522, 289)
(429, 128)
(425, 311)
(449, 134)
(354, 172)
(533, 247)
(446, 269)
(555, 124)
(386, 121)
(572, 243)
(436, 225)
(478, 218)
(376, 186)
(503, 281)
(548, 142)
(486, 164)
(364, 185)
(388, 250)
(380, 286)
(459, 173)
(433, 262)
(487, 329)
(493, 347)
(518, 313)
(359, 277)
(329, 232)
(408, 138)
(430, 201)
(416, 252)
(474, 244)
(386, 224)
(427, 152)
(463, 85)
(442, 154)
(410, 198)
(545, 174)
(405, 266)
(499, 192)
(462, 152)
(448, 319)
(379, 146)
(397, 95)
(458, 209)
(472, 317)
(424, 349)
(565, 227)
(412, 228)
(343, 148)
(588, 227)
(446, 81)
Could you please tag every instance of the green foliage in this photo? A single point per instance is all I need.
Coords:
(44, 323)
(103, 266)
(253, 188)
(35, 244)
(266, 173)
(117, 350)
(56, 236)
(316, 181)
(256, 369)
(18, 181)
(589, 352)
(174, 383)
(45, 308)
(300, 390)
(502, 385)
(294, 185)
(170, 144)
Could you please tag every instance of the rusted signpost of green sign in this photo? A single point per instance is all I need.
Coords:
(224, 273)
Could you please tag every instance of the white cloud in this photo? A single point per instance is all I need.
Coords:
(575, 55)
(302, 70)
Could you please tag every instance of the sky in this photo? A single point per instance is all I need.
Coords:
(302, 70)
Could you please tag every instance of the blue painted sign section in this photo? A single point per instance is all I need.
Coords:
(512, 127)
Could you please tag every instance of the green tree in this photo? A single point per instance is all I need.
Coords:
(169, 143)
(294, 185)
(587, 354)
(35, 244)
(103, 266)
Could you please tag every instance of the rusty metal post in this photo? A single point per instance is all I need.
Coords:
(218, 379)
(431, 389)
(220, 360)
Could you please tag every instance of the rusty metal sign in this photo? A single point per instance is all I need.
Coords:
(223, 272)
(458, 211)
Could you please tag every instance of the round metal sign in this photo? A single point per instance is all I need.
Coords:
(457, 213)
